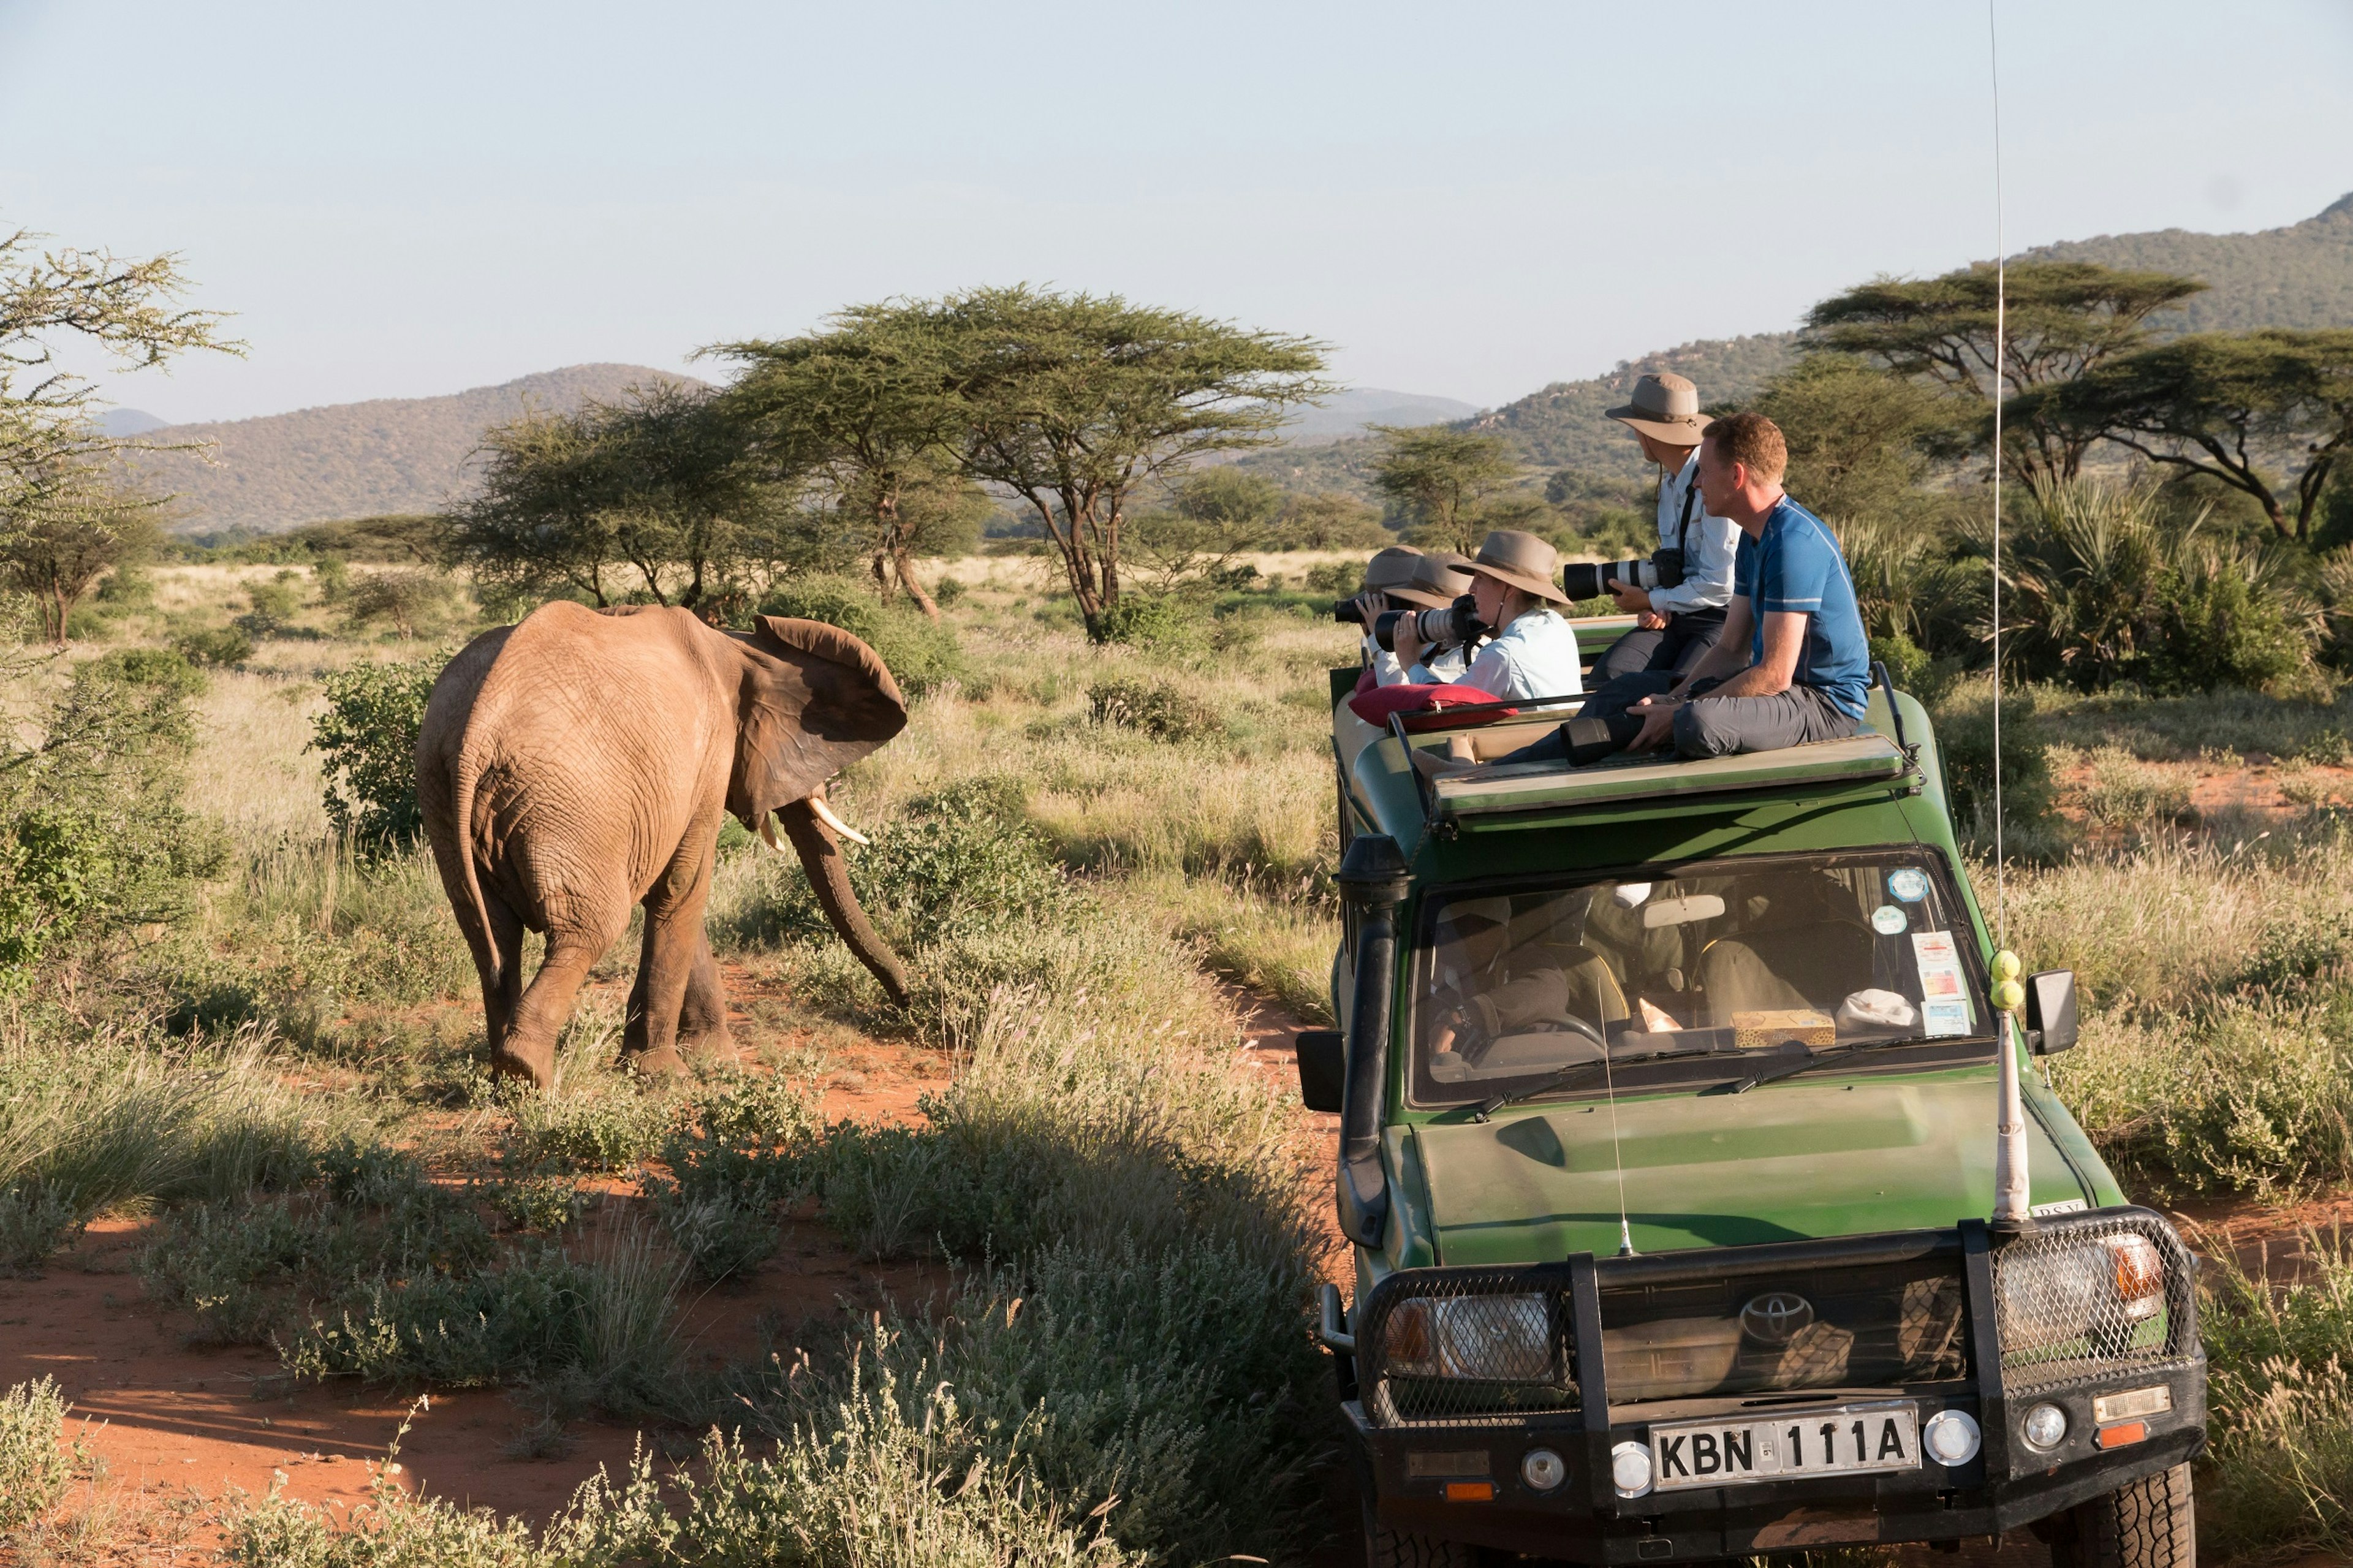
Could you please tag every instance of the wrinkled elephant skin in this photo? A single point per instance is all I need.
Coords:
(578, 764)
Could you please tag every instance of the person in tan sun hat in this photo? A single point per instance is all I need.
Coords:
(1675, 625)
(1532, 649)
(1402, 578)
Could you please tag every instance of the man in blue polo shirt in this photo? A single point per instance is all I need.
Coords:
(1793, 664)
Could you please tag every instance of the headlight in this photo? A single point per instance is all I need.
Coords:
(2062, 1292)
(2044, 1426)
(1494, 1338)
(1952, 1437)
(1630, 1469)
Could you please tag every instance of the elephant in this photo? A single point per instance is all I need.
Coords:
(578, 762)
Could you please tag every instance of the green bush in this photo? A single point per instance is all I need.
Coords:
(35, 1463)
(1157, 708)
(223, 648)
(368, 737)
(1170, 623)
(1965, 730)
(920, 653)
(2215, 629)
(962, 862)
(275, 606)
(93, 839)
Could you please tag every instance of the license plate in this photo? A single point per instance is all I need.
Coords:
(1843, 1440)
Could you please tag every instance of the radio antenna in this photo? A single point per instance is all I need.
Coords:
(2012, 1188)
(2000, 343)
(1609, 1087)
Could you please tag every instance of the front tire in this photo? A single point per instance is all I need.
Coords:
(2149, 1523)
(1386, 1548)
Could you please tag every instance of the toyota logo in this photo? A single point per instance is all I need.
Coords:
(1777, 1317)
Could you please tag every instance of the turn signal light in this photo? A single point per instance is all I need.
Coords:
(2140, 1276)
(1470, 1491)
(2117, 1436)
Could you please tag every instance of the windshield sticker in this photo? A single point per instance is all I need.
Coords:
(1887, 920)
(1939, 963)
(1910, 884)
(1938, 1019)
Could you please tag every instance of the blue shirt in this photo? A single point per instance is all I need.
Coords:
(1795, 565)
(1536, 656)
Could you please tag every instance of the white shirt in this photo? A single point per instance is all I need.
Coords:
(1709, 552)
(1536, 656)
(1445, 665)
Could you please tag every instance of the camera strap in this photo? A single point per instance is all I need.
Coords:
(1683, 528)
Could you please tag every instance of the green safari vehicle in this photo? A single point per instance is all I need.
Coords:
(1669, 1096)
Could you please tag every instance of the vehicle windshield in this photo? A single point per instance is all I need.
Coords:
(1714, 968)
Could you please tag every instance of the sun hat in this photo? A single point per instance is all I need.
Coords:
(1665, 407)
(1522, 561)
(1437, 581)
(1392, 568)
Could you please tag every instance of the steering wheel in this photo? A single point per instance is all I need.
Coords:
(1560, 1024)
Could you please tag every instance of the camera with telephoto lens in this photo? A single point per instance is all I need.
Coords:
(1586, 579)
(1351, 612)
(1456, 624)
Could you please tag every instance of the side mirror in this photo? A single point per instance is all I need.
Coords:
(2051, 1012)
(1322, 1068)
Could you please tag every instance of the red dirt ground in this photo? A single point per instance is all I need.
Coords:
(180, 1430)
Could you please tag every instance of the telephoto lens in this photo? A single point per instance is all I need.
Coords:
(1350, 612)
(1590, 579)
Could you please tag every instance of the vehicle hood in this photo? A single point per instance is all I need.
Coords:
(1783, 1162)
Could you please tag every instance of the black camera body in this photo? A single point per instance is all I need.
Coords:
(1588, 579)
(1457, 622)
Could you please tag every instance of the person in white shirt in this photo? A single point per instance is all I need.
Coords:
(1436, 581)
(1675, 626)
(1515, 578)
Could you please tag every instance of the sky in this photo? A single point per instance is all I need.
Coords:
(1467, 200)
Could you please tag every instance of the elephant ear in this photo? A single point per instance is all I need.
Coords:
(813, 700)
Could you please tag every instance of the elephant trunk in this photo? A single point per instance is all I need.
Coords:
(829, 875)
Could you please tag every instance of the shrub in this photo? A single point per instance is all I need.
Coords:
(223, 648)
(332, 577)
(920, 653)
(1167, 622)
(34, 1465)
(411, 600)
(2125, 792)
(2215, 629)
(1963, 723)
(1159, 710)
(950, 590)
(93, 839)
(368, 737)
(275, 605)
(34, 1221)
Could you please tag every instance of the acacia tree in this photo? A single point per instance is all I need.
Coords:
(63, 528)
(1440, 478)
(866, 408)
(2064, 319)
(2269, 413)
(1072, 400)
(662, 486)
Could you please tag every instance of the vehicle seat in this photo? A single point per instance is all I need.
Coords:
(1816, 966)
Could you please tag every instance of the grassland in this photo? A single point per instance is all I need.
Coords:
(1094, 858)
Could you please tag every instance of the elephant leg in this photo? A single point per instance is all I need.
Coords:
(501, 996)
(665, 967)
(546, 1005)
(702, 1019)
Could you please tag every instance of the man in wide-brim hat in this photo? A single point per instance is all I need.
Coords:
(1675, 624)
(1532, 650)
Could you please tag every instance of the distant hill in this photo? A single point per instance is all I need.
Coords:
(128, 422)
(1346, 414)
(1564, 425)
(2300, 276)
(359, 459)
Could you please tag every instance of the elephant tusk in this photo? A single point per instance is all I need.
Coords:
(768, 833)
(825, 815)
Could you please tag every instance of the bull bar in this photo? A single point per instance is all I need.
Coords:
(1458, 1474)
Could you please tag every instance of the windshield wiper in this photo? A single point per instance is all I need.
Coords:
(1487, 1107)
(1808, 1063)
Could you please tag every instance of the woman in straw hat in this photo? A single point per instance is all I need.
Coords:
(1434, 582)
(1533, 652)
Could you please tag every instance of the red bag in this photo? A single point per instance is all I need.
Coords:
(1374, 707)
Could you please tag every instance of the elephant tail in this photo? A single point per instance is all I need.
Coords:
(461, 805)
